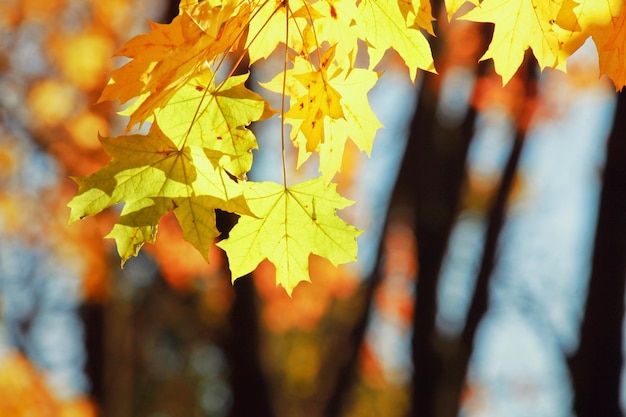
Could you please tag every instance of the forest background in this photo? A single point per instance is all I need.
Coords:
(465, 167)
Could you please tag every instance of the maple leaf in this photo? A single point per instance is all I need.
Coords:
(291, 224)
(418, 12)
(383, 26)
(318, 101)
(604, 21)
(267, 28)
(453, 6)
(171, 54)
(216, 118)
(613, 53)
(334, 23)
(138, 224)
(519, 25)
(153, 175)
(357, 122)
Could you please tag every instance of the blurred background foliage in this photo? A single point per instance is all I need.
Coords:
(169, 335)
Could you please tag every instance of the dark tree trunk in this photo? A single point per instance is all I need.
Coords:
(92, 315)
(251, 397)
(459, 351)
(432, 172)
(597, 366)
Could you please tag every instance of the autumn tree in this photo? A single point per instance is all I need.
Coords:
(189, 145)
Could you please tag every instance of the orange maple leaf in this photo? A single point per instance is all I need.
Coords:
(171, 54)
(613, 53)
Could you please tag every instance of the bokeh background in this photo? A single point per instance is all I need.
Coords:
(499, 188)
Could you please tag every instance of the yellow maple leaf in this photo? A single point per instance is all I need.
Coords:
(382, 25)
(519, 25)
(419, 12)
(318, 100)
(357, 122)
(268, 29)
(453, 6)
(138, 224)
(152, 175)
(334, 24)
(613, 52)
(584, 18)
(216, 118)
(291, 224)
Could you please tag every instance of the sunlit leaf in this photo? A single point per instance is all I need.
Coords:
(200, 114)
(291, 224)
(152, 175)
(452, 6)
(354, 117)
(519, 25)
(172, 54)
(267, 28)
(383, 26)
(604, 21)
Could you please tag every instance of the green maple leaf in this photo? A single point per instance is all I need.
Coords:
(291, 224)
(216, 118)
(153, 176)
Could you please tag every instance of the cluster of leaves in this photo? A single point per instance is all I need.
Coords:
(554, 30)
(195, 157)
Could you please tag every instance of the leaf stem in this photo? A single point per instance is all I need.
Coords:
(282, 104)
(202, 106)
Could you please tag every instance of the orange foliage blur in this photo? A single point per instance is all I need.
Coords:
(84, 58)
(23, 393)
(464, 44)
(309, 302)
(370, 367)
(180, 264)
(394, 298)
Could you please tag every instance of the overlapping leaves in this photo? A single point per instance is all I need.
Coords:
(554, 29)
(198, 149)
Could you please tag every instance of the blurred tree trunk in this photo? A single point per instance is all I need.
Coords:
(432, 175)
(457, 352)
(251, 397)
(597, 366)
(92, 315)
